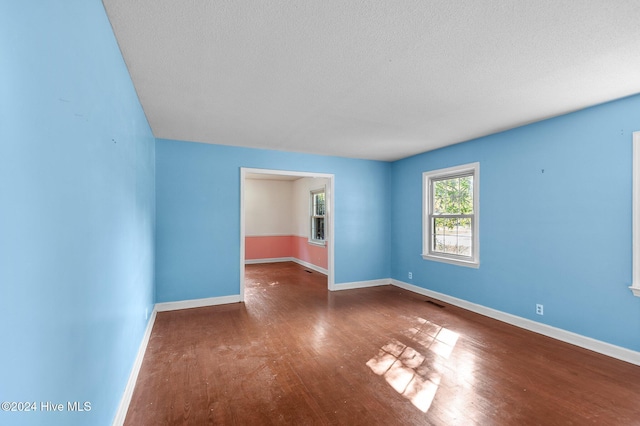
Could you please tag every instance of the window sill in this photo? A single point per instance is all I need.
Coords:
(635, 290)
(459, 262)
(317, 243)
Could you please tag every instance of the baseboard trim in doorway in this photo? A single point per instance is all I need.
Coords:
(197, 303)
(269, 260)
(310, 266)
(121, 414)
(361, 284)
(598, 346)
(288, 259)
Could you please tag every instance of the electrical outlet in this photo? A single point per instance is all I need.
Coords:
(146, 313)
(410, 275)
(539, 309)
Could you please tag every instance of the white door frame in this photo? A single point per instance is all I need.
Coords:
(329, 218)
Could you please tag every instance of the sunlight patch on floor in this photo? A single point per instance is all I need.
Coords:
(410, 372)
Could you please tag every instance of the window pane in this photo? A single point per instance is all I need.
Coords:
(317, 231)
(452, 236)
(453, 196)
(318, 204)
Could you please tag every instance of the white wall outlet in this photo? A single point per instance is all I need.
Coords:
(410, 275)
(539, 309)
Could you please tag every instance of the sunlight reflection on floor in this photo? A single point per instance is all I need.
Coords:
(409, 372)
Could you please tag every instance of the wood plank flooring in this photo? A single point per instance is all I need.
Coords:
(295, 353)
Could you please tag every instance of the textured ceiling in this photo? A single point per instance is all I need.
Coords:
(378, 79)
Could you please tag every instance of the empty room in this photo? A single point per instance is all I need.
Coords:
(319, 212)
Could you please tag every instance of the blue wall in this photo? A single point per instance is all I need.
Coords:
(198, 218)
(78, 176)
(561, 238)
(76, 212)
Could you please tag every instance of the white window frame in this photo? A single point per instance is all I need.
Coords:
(313, 216)
(472, 261)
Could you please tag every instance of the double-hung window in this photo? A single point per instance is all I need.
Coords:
(318, 211)
(451, 216)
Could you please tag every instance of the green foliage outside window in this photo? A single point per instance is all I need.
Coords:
(453, 197)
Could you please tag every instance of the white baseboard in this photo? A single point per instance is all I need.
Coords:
(121, 414)
(196, 303)
(288, 259)
(310, 266)
(598, 346)
(361, 284)
(160, 307)
(601, 347)
(269, 260)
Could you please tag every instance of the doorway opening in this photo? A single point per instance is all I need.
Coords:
(313, 182)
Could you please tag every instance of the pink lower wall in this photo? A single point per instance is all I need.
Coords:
(268, 247)
(271, 247)
(311, 253)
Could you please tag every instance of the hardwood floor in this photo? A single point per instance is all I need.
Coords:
(294, 353)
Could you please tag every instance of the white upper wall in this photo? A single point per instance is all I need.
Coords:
(277, 207)
(301, 203)
(268, 207)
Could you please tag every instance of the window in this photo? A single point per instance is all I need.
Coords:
(450, 221)
(317, 216)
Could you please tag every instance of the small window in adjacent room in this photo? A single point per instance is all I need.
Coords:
(450, 217)
(317, 216)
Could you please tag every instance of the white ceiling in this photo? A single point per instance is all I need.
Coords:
(377, 79)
